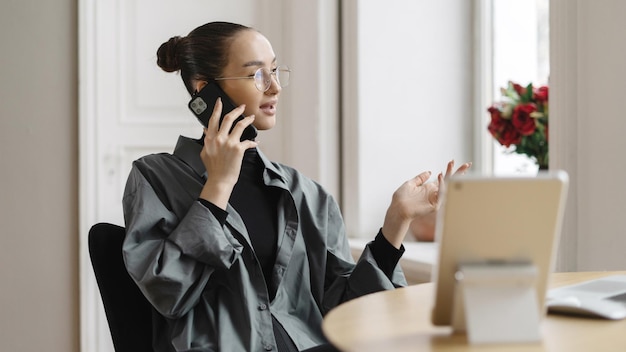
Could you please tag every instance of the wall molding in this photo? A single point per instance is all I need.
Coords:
(564, 120)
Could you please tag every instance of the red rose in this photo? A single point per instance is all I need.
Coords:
(497, 122)
(509, 135)
(502, 129)
(521, 118)
(495, 112)
(541, 95)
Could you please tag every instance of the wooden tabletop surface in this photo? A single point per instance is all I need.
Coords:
(399, 320)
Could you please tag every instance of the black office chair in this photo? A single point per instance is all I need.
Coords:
(128, 312)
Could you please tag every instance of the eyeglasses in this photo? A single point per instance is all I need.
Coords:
(263, 77)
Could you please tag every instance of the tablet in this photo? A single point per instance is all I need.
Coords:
(489, 219)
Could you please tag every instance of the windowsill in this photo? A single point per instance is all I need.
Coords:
(417, 261)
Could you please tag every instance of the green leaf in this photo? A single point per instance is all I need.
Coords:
(528, 95)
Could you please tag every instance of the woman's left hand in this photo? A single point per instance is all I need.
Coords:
(422, 228)
(415, 200)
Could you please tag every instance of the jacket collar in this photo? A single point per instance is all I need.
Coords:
(188, 150)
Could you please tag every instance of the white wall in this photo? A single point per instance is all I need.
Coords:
(39, 177)
(588, 81)
(407, 89)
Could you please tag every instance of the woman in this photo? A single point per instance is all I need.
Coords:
(235, 252)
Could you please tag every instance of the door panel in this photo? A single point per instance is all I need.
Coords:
(130, 107)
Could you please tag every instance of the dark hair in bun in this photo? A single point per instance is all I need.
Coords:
(166, 55)
(201, 55)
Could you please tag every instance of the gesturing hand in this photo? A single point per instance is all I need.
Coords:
(423, 227)
(415, 197)
(416, 201)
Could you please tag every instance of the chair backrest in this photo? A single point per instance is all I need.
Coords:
(128, 312)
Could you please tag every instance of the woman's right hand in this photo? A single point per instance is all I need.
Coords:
(222, 154)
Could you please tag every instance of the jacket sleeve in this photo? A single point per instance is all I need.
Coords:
(346, 280)
(170, 257)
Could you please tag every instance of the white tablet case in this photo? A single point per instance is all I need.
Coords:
(497, 219)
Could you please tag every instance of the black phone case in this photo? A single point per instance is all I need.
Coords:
(202, 103)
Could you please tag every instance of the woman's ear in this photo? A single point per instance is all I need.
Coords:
(198, 85)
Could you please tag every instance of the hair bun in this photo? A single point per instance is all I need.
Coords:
(167, 55)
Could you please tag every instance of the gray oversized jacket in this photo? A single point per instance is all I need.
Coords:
(202, 276)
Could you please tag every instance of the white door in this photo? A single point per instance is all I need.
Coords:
(130, 107)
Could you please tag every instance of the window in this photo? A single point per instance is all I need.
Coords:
(521, 54)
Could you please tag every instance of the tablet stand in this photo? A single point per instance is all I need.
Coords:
(496, 303)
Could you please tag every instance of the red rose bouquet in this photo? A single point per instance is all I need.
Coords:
(520, 121)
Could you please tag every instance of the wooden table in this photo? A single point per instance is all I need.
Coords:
(399, 320)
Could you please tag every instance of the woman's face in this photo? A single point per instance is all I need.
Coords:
(250, 51)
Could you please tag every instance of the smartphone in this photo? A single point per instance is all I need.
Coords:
(202, 103)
